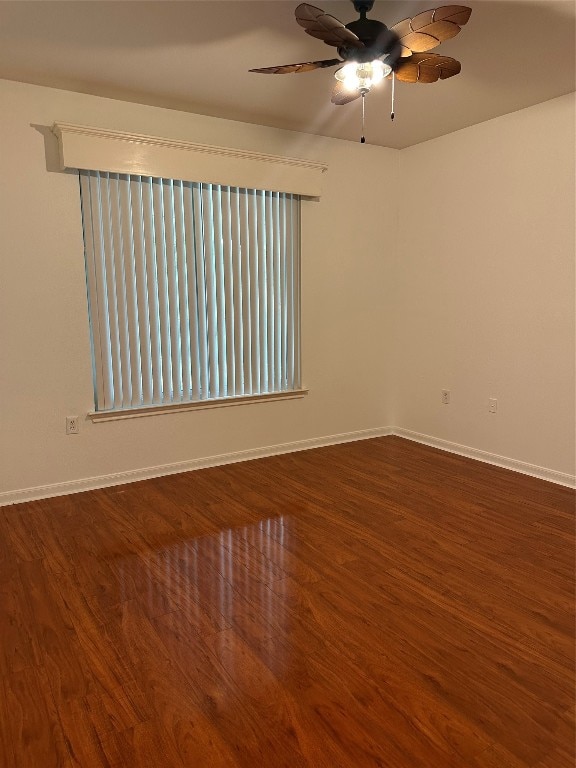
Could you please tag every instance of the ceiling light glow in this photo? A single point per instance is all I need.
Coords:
(361, 77)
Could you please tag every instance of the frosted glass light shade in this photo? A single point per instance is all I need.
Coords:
(358, 76)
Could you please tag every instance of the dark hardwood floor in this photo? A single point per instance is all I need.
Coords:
(378, 603)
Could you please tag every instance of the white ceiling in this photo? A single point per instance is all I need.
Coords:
(195, 56)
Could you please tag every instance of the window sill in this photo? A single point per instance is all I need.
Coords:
(157, 410)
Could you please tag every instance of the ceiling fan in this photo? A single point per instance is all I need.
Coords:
(370, 51)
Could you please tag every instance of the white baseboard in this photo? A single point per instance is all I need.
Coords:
(542, 473)
(132, 476)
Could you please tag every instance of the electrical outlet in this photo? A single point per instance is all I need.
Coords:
(492, 405)
(72, 426)
(446, 397)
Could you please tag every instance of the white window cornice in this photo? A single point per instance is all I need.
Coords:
(89, 148)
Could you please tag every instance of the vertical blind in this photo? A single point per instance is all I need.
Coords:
(193, 290)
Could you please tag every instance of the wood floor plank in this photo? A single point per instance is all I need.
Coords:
(16, 647)
(188, 726)
(289, 698)
(378, 603)
(31, 723)
(22, 535)
(145, 745)
(220, 692)
(101, 645)
(261, 537)
(451, 663)
(117, 710)
(82, 739)
(7, 726)
(54, 640)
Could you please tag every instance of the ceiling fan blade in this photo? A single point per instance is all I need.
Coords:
(430, 28)
(325, 27)
(305, 66)
(341, 94)
(427, 68)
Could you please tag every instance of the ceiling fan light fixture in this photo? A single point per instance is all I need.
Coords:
(361, 76)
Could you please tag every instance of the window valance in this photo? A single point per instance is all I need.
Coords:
(98, 149)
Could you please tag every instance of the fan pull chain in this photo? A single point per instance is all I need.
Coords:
(363, 138)
(393, 89)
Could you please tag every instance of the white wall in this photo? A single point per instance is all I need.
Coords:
(464, 281)
(484, 286)
(44, 342)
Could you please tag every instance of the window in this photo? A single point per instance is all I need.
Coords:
(193, 289)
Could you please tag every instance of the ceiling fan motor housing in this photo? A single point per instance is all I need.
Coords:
(378, 40)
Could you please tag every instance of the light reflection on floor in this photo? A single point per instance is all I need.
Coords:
(219, 581)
